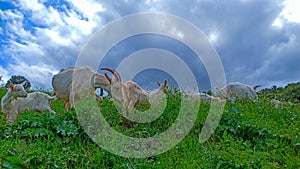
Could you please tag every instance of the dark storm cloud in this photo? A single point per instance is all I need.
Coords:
(252, 49)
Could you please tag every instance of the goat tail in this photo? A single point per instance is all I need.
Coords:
(51, 98)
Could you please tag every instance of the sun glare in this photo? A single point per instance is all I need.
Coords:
(213, 36)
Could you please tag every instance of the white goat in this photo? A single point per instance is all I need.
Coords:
(134, 94)
(16, 100)
(129, 94)
(276, 103)
(204, 97)
(74, 83)
(236, 90)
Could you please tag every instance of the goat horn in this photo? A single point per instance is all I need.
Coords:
(108, 78)
(115, 73)
(257, 86)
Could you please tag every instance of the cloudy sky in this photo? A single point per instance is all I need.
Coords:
(257, 41)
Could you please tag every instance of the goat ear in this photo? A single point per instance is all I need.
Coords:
(11, 86)
(158, 84)
(165, 83)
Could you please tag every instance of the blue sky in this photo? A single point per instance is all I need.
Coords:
(258, 41)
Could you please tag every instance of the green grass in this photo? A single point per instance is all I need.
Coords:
(250, 135)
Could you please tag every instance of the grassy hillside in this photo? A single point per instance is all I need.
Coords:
(287, 93)
(250, 135)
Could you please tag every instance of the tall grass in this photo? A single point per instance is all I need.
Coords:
(250, 135)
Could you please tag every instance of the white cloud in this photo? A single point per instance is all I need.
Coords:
(277, 23)
(88, 8)
(29, 47)
(56, 17)
(8, 14)
(38, 75)
(5, 75)
(56, 35)
(80, 26)
(33, 5)
(174, 31)
(40, 14)
(57, 22)
(290, 13)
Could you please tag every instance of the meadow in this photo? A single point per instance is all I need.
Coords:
(249, 135)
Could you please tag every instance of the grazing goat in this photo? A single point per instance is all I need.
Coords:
(129, 94)
(116, 86)
(204, 97)
(16, 100)
(236, 90)
(276, 103)
(134, 94)
(74, 83)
